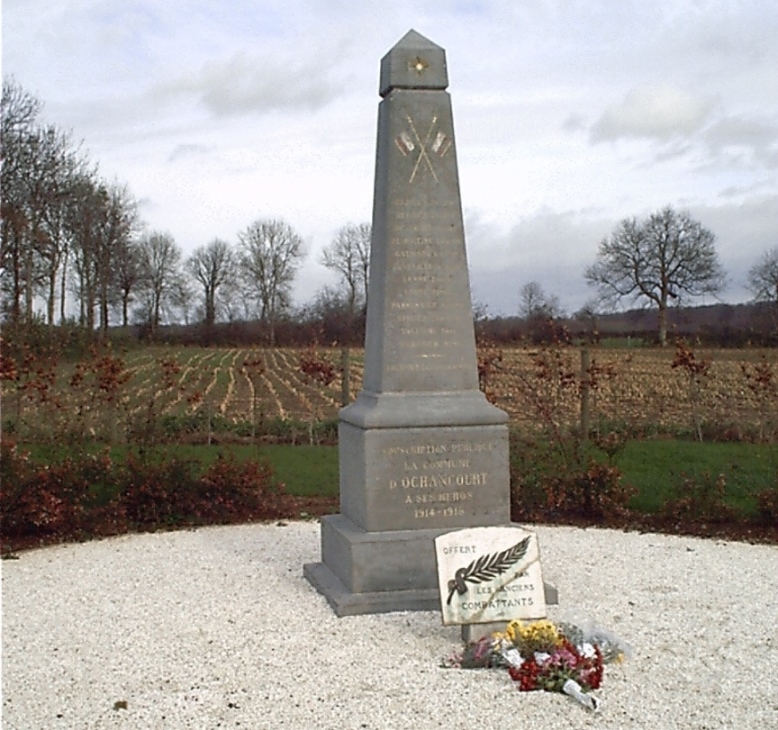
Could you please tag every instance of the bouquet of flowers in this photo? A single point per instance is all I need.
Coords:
(543, 655)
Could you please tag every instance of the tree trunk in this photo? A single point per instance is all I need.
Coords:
(50, 297)
(16, 303)
(210, 310)
(28, 298)
(90, 310)
(63, 288)
(662, 325)
(103, 308)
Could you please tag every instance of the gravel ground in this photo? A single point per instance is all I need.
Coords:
(216, 628)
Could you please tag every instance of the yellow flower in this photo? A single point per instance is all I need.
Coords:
(534, 636)
(512, 630)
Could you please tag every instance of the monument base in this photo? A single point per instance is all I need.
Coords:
(375, 572)
(378, 572)
(345, 603)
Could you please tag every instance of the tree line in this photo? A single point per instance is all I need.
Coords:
(75, 242)
(661, 262)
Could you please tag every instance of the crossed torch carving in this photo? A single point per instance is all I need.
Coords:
(406, 145)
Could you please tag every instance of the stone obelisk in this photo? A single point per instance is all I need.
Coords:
(422, 451)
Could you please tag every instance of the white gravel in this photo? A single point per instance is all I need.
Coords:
(216, 628)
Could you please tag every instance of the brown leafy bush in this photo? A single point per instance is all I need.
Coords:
(595, 492)
(318, 369)
(702, 500)
(63, 500)
(90, 495)
(549, 482)
(159, 494)
(767, 507)
(229, 489)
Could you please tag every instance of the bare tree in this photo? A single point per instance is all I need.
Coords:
(271, 253)
(60, 166)
(127, 274)
(212, 267)
(84, 220)
(232, 299)
(119, 222)
(535, 303)
(349, 256)
(328, 313)
(37, 165)
(19, 113)
(159, 259)
(659, 260)
(763, 282)
(181, 297)
(540, 312)
(59, 221)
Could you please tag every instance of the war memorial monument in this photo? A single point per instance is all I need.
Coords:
(422, 452)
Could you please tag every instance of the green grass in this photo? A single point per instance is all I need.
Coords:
(304, 470)
(659, 468)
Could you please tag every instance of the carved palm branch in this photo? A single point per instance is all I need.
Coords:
(487, 567)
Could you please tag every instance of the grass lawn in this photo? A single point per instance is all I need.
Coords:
(657, 468)
(305, 470)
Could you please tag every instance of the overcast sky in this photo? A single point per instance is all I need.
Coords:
(569, 116)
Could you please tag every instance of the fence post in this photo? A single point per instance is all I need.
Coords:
(345, 376)
(585, 384)
(254, 415)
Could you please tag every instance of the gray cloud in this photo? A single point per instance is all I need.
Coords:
(737, 191)
(245, 84)
(660, 112)
(754, 135)
(743, 232)
(574, 123)
(183, 151)
(554, 249)
(551, 248)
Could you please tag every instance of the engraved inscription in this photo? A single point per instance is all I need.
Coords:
(437, 480)
(421, 239)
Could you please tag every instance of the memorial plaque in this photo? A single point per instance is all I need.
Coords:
(422, 451)
(489, 574)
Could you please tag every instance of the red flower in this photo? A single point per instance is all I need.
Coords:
(566, 663)
(526, 675)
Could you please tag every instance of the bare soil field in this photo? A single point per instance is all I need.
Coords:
(732, 390)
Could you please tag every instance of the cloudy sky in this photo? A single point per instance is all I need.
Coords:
(569, 115)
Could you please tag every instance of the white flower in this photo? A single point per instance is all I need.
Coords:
(587, 650)
(512, 656)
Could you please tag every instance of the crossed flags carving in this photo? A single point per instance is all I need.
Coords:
(409, 142)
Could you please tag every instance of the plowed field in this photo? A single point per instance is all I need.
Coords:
(639, 388)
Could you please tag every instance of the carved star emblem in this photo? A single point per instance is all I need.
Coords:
(419, 65)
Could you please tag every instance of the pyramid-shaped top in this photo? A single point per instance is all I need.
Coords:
(414, 63)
